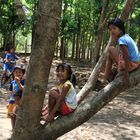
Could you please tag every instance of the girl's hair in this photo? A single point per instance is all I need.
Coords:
(67, 67)
(117, 22)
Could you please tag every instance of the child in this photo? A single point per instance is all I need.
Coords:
(62, 99)
(15, 87)
(127, 57)
(17, 97)
(9, 61)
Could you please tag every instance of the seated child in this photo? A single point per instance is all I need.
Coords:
(62, 98)
(15, 87)
(126, 56)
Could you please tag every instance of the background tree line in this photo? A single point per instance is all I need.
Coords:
(83, 26)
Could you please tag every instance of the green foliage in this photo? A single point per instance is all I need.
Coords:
(80, 17)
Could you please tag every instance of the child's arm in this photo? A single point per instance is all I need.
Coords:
(19, 83)
(124, 50)
(59, 102)
(7, 58)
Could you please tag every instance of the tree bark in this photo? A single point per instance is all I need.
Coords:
(94, 75)
(19, 9)
(28, 120)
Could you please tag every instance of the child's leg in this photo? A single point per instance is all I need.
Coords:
(113, 57)
(13, 120)
(54, 94)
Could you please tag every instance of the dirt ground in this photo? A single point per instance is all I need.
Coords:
(119, 120)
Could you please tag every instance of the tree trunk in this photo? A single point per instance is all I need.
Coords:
(73, 47)
(19, 9)
(28, 121)
(100, 32)
(77, 47)
(94, 75)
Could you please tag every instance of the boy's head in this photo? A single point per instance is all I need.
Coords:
(117, 22)
(7, 47)
(19, 71)
(12, 50)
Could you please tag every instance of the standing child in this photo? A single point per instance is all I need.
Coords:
(16, 86)
(9, 61)
(126, 56)
(62, 98)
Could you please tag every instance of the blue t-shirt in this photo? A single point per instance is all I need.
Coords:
(133, 51)
(15, 88)
(11, 57)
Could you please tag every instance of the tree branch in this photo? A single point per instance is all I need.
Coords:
(93, 103)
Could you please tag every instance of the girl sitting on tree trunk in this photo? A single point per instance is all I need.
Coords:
(126, 56)
(62, 99)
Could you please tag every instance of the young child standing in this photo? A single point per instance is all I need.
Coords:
(62, 98)
(126, 56)
(9, 61)
(16, 86)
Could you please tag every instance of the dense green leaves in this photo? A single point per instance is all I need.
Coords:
(79, 22)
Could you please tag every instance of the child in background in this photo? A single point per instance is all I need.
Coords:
(16, 86)
(127, 57)
(62, 99)
(9, 61)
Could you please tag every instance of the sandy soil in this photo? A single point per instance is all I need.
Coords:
(119, 120)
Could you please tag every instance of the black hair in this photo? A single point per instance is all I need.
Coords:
(8, 47)
(117, 22)
(20, 67)
(71, 76)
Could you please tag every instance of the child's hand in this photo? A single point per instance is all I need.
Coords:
(17, 79)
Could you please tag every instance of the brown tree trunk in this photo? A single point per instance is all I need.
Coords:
(62, 49)
(28, 122)
(77, 47)
(101, 28)
(73, 47)
(19, 9)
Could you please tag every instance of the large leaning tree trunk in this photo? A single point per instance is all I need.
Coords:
(94, 75)
(28, 121)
